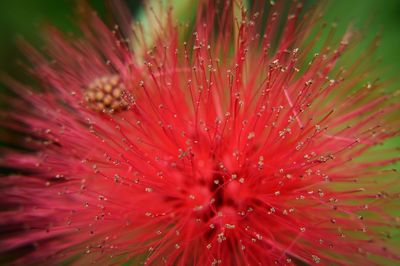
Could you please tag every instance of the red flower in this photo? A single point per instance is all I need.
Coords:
(234, 147)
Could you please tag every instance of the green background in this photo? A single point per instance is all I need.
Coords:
(22, 18)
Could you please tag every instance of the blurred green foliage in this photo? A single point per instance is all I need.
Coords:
(22, 18)
(372, 17)
(25, 17)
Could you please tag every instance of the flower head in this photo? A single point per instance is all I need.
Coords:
(233, 146)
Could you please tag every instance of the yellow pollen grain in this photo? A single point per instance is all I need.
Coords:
(104, 94)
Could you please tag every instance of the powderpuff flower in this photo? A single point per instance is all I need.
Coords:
(226, 142)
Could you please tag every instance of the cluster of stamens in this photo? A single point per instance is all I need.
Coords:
(104, 94)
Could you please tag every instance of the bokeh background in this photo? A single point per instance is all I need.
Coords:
(23, 18)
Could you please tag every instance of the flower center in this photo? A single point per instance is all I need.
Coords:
(219, 202)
